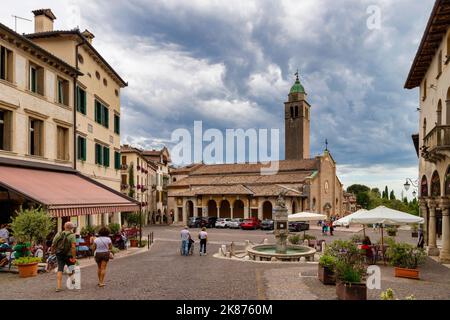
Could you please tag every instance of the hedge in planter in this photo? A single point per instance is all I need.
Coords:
(349, 270)
(326, 269)
(406, 259)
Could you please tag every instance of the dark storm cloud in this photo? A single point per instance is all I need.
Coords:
(241, 57)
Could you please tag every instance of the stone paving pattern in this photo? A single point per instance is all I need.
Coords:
(162, 273)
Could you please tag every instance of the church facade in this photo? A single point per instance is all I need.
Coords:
(241, 191)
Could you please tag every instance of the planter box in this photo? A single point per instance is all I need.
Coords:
(28, 270)
(134, 243)
(351, 291)
(407, 273)
(326, 276)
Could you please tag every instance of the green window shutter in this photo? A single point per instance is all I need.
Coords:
(33, 76)
(78, 147)
(106, 117)
(83, 100)
(98, 112)
(116, 124)
(106, 156)
(78, 99)
(98, 154)
(60, 92)
(83, 140)
(116, 160)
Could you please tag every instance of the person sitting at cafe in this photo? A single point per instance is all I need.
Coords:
(82, 248)
(4, 233)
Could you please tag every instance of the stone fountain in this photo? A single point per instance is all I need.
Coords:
(281, 251)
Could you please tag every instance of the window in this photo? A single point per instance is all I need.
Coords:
(101, 114)
(81, 148)
(6, 64)
(101, 155)
(292, 112)
(62, 152)
(63, 91)
(36, 136)
(124, 160)
(296, 111)
(5, 130)
(81, 100)
(105, 82)
(80, 58)
(97, 75)
(116, 160)
(36, 84)
(116, 124)
(439, 62)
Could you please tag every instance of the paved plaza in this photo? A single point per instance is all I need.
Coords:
(161, 273)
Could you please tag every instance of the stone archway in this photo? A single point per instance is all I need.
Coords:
(267, 210)
(238, 209)
(424, 187)
(435, 185)
(212, 208)
(225, 209)
(190, 208)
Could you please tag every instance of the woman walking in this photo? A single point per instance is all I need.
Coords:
(102, 247)
(203, 236)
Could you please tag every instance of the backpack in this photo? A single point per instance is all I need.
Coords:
(62, 244)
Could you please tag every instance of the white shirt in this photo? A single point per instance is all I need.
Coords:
(203, 235)
(185, 234)
(102, 244)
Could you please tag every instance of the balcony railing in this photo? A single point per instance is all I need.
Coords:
(435, 143)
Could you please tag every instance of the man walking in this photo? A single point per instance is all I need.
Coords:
(64, 246)
(185, 235)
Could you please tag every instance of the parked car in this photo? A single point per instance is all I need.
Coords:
(223, 223)
(197, 222)
(298, 226)
(267, 224)
(211, 222)
(235, 223)
(249, 224)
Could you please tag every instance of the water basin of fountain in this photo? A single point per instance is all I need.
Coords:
(268, 253)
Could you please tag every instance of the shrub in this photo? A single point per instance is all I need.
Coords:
(294, 239)
(327, 261)
(349, 266)
(387, 295)
(114, 227)
(87, 230)
(357, 238)
(133, 219)
(404, 255)
(26, 260)
(392, 231)
(32, 225)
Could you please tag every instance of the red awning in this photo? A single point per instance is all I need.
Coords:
(64, 194)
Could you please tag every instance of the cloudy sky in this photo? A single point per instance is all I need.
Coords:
(230, 64)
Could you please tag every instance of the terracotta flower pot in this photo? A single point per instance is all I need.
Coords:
(351, 291)
(406, 273)
(326, 276)
(28, 270)
(134, 243)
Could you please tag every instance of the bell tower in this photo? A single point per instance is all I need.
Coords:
(296, 119)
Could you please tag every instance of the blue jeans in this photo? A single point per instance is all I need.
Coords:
(203, 246)
(184, 247)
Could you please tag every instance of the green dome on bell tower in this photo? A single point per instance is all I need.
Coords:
(297, 87)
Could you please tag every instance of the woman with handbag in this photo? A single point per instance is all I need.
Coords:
(102, 246)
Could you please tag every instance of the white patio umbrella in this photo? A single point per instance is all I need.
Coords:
(384, 215)
(347, 220)
(306, 216)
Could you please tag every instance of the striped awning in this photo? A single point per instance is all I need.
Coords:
(65, 194)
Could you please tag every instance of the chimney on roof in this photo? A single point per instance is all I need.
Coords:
(88, 35)
(43, 20)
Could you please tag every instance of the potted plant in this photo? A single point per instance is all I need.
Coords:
(349, 270)
(406, 259)
(114, 227)
(415, 231)
(326, 269)
(133, 220)
(87, 232)
(28, 266)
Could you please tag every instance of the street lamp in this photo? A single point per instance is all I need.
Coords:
(409, 182)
